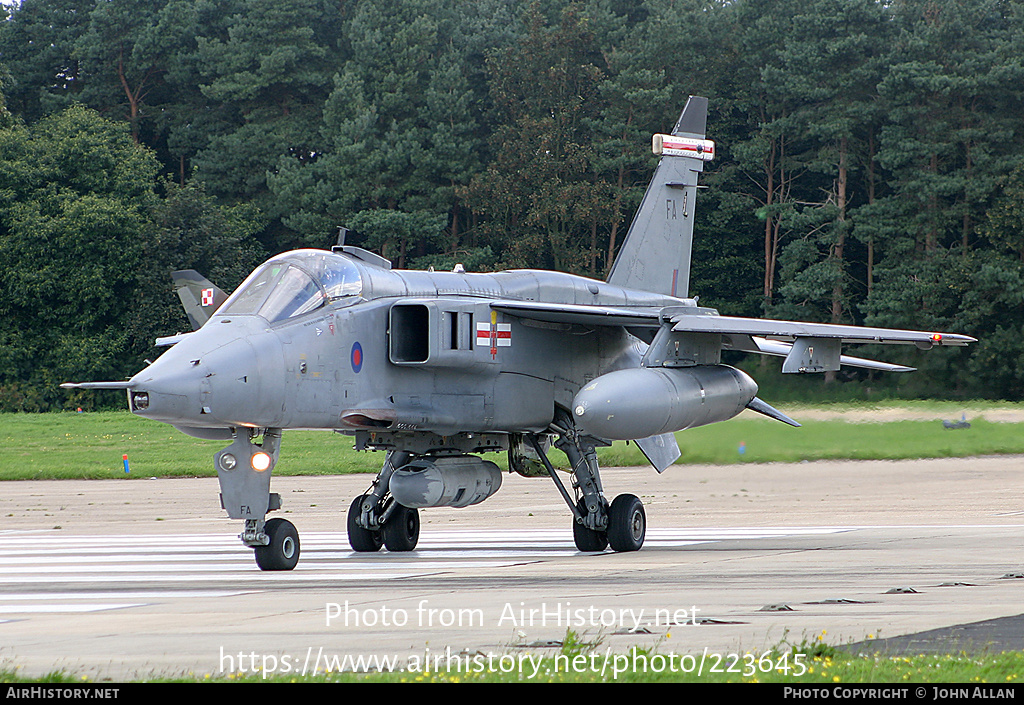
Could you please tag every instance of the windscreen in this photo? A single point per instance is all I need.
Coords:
(293, 284)
(293, 294)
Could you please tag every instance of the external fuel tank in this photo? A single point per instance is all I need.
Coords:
(648, 401)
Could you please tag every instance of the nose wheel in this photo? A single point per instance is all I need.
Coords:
(243, 470)
(282, 553)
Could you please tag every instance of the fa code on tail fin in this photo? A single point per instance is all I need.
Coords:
(655, 255)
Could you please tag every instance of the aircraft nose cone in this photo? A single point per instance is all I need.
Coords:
(217, 377)
(166, 392)
(196, 387)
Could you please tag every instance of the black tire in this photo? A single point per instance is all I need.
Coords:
(282, 553)
(627, 523)
(360, 539)
(587, 540)
(402, 531)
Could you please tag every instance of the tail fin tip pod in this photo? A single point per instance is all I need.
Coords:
(655, 255)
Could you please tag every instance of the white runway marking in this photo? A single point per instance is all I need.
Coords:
(111, 570)
(64, 609)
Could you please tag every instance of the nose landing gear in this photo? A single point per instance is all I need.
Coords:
(244, 470)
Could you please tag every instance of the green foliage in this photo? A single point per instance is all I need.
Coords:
(86, 246)
(37, 42)
(393, 232)
(74, 192)
(541, 183)
(1004, 225)
(472, 259)
(267, 68)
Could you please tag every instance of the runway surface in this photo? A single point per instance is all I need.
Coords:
(128, 579)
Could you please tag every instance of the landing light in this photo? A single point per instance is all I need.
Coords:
(140, 401)
(260, 462)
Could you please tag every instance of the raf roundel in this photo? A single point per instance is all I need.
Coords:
(357, 357)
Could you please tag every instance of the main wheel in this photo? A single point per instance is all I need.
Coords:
(627, 523)
(402, 531)
(587, 540)
(282, 553)
(360, 539)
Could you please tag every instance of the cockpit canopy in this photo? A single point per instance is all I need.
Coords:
(293, 284)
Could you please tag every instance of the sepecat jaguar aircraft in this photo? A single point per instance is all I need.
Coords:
(438, 368)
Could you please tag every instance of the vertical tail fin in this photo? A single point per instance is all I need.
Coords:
(655, 255)
(198, 295)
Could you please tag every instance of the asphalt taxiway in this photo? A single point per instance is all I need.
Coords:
(132, 578)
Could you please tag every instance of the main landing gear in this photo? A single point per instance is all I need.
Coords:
(375, 519)
(596, 524)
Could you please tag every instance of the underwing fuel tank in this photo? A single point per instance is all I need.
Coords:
(456, 481)
(648, 401)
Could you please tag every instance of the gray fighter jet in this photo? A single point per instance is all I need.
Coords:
(436, 368)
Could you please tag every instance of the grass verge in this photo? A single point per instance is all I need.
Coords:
(91, 446)
(582, 661)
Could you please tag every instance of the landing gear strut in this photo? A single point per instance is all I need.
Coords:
(376, 519)
(596, 524)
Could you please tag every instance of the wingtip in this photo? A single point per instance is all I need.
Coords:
(948, 339)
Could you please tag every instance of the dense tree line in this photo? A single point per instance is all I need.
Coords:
(870, 160)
